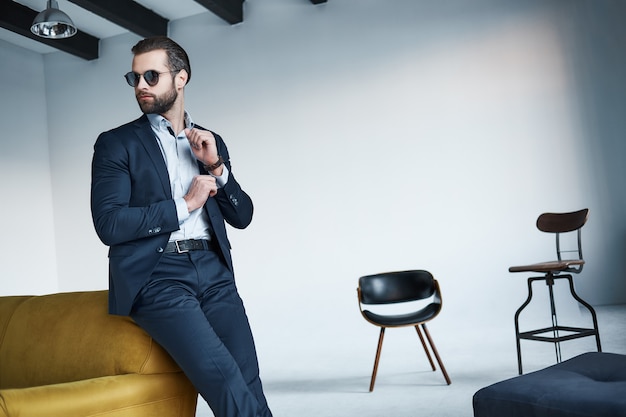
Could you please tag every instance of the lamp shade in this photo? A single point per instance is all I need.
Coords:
(53, 23)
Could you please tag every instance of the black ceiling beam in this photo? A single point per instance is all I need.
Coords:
(129, 15)
(18, 18)
(229, 10)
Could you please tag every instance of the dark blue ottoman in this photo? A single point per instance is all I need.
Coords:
(590, 385)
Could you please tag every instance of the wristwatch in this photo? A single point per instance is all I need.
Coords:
(212, 167)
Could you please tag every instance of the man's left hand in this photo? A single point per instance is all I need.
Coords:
(203, 146)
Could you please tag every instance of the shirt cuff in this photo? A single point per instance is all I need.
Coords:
(222, 179)
(181, 210)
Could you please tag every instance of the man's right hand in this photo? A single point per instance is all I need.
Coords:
(202, 187)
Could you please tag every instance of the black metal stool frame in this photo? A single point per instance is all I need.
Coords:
(556, 338)
(557, 223)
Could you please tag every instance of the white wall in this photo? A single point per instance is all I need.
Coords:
(372, 136)
(27, 248)
(598, 64)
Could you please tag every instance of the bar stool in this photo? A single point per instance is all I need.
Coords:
(569, 261)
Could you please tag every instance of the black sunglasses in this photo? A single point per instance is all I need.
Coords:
(151, 77)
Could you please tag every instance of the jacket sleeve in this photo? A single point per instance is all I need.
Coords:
(234, 203)
(122, 210)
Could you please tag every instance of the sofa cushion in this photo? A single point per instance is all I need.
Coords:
(68, 337)
(591, 384)
(132, 395)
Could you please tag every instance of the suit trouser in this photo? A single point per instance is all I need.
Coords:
(192, 309)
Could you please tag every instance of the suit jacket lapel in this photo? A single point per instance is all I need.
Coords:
(147, 138)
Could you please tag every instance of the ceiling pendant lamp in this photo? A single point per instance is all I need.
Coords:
(52, 23)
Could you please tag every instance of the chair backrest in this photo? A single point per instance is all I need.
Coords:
(561, 224)
(397, 287)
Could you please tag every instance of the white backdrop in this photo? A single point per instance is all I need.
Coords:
(372, 135)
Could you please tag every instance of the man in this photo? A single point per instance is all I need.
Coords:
(162, 189)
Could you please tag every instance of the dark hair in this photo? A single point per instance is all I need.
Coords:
(176, 55)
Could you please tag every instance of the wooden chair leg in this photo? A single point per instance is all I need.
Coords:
(378, 350)
(432, 345)
(430, 359)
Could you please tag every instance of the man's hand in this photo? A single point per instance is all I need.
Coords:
(202, 187)
(203, 146)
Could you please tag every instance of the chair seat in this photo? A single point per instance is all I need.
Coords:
(404, 319)
(551, 266)
(407, 291)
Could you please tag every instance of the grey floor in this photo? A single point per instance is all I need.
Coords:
(406, 387)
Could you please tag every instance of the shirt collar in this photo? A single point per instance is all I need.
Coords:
(161, 124)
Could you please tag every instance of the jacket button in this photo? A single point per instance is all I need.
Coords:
(160, 250)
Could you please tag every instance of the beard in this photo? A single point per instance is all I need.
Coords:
(159, 105)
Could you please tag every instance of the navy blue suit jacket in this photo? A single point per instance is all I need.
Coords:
(133, 211)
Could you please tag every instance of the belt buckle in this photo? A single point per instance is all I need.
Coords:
(178, 249)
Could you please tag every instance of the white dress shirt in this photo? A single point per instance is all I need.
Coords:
(182, 167)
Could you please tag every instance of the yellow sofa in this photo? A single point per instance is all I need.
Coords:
(64, 355)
